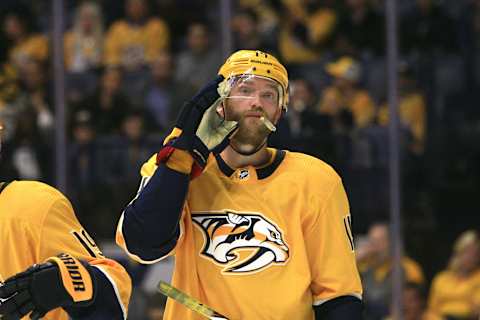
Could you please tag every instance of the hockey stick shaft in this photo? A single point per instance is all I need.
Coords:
(188, 301)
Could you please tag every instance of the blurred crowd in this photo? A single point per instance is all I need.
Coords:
(131, 64)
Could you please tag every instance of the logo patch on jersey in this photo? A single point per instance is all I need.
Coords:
(243, 174)
(229, 235)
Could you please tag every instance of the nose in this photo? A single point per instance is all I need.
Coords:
(255, 101)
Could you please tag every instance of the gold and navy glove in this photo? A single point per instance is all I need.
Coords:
(62, 281)
(199, 128)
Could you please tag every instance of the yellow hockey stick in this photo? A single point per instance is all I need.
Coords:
(189, 302)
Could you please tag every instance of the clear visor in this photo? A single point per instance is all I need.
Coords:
(266, 91)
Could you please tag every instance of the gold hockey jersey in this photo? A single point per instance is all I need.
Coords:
(38, 222)
(262, 243)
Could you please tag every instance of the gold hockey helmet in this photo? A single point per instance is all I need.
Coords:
(257, 63)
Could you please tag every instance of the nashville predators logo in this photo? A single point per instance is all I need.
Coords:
(242, 242)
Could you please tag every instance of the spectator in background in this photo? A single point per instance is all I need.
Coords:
(33, 124)
(374, 262)
(83, 43)
(83, 167)
(247, 34)
(29, 155)
(35, 98)
(122, 156)
(8, 91)
(108, 105)
(137, 146)
(82, 160)
(25, 44)
(198, 63)
(414, 303)
(411, 109)
(345, 94)
(83, 51)
(360, 30)
(179, 14)
(7, 170)
(455, 292)
(351, 110)
(133, 44)
(306, 30)
(137, 40)
(164, 95)
(469, 40)
(311, 132)
(427, 28)
(8, 78)
(266, 12)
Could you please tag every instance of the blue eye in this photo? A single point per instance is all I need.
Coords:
(245, 90)
(268, 95)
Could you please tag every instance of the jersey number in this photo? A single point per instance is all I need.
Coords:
(347, 222)
(87, 242)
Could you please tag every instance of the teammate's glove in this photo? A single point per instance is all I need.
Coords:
(199, 128)
(62, 281)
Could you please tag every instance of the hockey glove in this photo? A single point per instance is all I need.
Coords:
(199, 128)
(62, 281)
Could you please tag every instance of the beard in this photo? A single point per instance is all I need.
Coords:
(250, 135)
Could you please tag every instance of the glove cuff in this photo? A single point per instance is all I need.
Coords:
(185, 154)
(76, 278)
(180, 161)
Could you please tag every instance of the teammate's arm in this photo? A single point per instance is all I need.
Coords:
(336, 286)
(149, 227)
(63, 281)
(72, 273)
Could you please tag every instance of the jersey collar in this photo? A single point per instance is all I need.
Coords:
(262, 173)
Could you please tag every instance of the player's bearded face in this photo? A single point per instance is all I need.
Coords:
(250, 99)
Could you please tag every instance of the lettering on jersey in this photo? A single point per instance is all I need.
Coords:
(229, 233)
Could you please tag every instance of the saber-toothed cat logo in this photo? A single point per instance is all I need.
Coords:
(229, 234)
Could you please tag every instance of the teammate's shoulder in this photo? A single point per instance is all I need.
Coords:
(310, 166)
(31, 188)
(30, 199)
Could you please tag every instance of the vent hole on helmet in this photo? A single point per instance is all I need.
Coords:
(268, 70)
(254, 68)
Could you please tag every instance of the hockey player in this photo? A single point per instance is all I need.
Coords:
(257, 233)
(50, 267)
